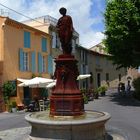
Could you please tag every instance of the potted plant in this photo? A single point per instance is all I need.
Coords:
(83, 91)
(14, 107)
(96, 94)
(102, 90)
(8, 89)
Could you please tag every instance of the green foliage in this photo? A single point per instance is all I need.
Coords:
(33, 75)
(136, 85)
(9, 107)
(102, 89)
(85, 99)
(9, 90)
(83, 91)
(96, 94)
(122, 22)
(14, 104)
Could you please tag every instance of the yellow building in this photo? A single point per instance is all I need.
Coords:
(24, 52)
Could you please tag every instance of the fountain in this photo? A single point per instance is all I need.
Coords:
(67, 119)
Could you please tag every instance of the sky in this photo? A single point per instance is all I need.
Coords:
(87, 15)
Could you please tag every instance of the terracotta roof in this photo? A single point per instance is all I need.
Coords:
(20, 25)
(91, 51)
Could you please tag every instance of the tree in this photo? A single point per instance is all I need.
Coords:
(122, 30)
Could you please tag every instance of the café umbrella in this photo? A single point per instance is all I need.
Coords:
(51, 85)
(83, 76)
(36, 82)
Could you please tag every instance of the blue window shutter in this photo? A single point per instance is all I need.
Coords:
(44, 44)
(27, 40)
(33, 62)
(50, 64)
(21, 67)
(39, 63)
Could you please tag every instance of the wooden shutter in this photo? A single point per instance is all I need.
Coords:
(50, 64)
(21, 67)
(44, 44)
(39, 62)
(33, 62)
(27, 41)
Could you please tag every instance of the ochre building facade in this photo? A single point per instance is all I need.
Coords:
(25, 52)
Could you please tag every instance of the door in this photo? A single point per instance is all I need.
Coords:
(27, 95)
(98, 79)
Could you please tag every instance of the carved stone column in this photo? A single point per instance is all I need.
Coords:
(66, 98)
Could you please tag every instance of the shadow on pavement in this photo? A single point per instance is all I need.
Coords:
(109, 137)
(125, 100)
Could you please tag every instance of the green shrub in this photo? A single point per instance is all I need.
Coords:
(14, 104)
(96, 94)
(102, 89)
(136, 85)
(85, 99)
(9, 89)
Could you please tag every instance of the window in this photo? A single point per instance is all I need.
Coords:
(53, 40)
(27, 42)
(57, 41)
(91, 78)
(97, 60)
(107, 61)
(119, 77)
(25, 61)
(107, 76)
(44, 44)
(83, 69)
(98, 79)
(43, 64)
(83, 56)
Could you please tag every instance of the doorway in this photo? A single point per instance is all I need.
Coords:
(98, 79)
(27, 95)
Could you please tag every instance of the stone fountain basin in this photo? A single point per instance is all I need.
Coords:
(90, 126)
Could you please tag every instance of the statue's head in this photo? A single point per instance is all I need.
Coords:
(63, 11)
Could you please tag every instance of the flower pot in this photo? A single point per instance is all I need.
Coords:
(14, 110)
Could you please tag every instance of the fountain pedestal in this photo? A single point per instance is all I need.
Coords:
(91, 126)
(66, 99)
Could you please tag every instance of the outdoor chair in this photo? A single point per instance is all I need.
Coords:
(42, 105)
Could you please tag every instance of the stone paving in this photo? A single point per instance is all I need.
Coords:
(15, 134)
(23, 134)
(124, 124)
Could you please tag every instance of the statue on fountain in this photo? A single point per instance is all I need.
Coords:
(65, 31)
(67, 117)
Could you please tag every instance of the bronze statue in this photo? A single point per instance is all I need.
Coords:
(65, 31)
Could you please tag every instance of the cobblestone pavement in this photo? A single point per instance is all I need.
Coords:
(125, 114)
(15, 134)
(124, 123)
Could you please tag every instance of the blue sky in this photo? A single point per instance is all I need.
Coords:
(87, 15)
(97, 9)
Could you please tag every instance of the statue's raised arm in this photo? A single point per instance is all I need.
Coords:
(65, 31)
